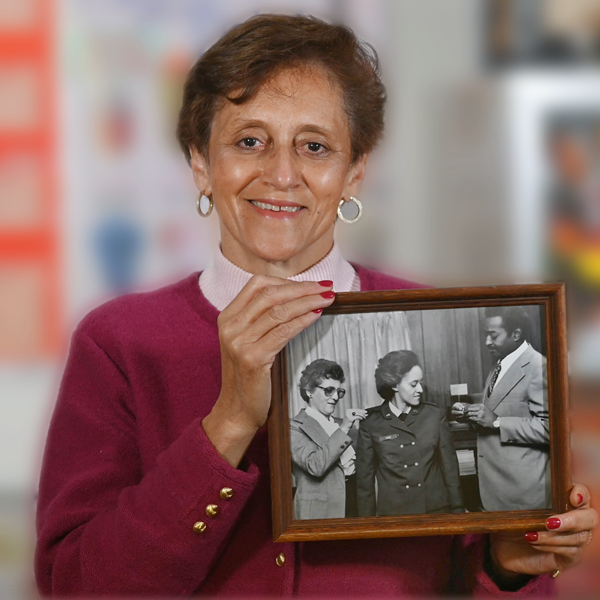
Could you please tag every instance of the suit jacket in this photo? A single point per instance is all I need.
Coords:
(513, 464)
(413, 461)
(320, 480)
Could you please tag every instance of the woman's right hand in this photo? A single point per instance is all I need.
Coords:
(351, 416)
(253, 329)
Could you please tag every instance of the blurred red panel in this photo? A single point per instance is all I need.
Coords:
(30, 311)
(20, 16)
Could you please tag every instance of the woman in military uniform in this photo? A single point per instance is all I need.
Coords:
(405, 445)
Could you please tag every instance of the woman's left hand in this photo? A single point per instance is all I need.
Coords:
(557, 548)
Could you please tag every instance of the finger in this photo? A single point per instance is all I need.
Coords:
(277, 337)
(280, 314)
(563, 555)
(580, 496)
(256, 283)
(274, 305)
(262, 291)
(577, 520)
(546, 539)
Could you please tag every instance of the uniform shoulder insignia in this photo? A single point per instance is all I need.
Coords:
(431, 405)
(373, 409)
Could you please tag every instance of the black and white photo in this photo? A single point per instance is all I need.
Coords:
(377, 431)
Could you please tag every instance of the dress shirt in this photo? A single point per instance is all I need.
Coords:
(507, 362)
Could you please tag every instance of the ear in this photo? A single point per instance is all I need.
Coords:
(354, 179)
(517, 334)
(201, 172)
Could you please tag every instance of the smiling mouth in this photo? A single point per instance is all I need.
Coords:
(276, 208)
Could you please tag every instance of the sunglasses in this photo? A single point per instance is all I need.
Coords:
(341, 392)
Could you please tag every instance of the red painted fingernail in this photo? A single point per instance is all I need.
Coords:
(553, 523)
(326, 283)
(531, 536)
(318, 310)
(328, 295)
(579, 499)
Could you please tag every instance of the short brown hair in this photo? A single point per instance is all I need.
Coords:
(318, 371)
(391, 369)
(252, 52)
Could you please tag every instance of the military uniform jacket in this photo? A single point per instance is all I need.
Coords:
(413, 461)
(513, 461)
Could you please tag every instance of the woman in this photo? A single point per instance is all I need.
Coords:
(322, 454)
(405, 445)
(155, 477)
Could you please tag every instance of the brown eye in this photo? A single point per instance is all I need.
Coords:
(249, 142)
(314, 146)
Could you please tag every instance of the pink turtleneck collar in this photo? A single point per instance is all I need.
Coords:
(222, 282)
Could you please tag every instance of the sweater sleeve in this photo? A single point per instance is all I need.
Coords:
(106, 524)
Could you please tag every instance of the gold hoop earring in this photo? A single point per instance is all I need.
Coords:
(199, 205)
(357, 217)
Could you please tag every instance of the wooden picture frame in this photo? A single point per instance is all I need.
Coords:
(550, 302)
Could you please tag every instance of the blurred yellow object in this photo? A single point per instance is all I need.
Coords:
(587, 265)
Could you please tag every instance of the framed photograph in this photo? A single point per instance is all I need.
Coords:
(423, 412)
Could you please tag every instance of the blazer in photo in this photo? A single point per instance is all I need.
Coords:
(513, 461)
(320, 480)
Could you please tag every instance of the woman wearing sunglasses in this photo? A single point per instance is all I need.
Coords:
(322, 453)
(405, 445)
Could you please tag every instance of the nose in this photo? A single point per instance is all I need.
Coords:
(419, 389)
(488, 341)
(280, 168)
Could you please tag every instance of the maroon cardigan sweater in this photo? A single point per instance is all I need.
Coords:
(128, 470)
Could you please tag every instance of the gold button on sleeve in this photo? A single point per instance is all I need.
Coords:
(280, 560)
(212, 510)
(226, 492)
(199, 527)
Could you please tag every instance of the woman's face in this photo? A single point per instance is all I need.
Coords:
(319, 399)
(410, 388)
(277, 167)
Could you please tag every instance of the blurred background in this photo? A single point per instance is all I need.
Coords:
(489, 174)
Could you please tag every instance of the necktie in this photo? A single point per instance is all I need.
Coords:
(494, 379)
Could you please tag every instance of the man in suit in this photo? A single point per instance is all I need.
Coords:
(513, 439)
